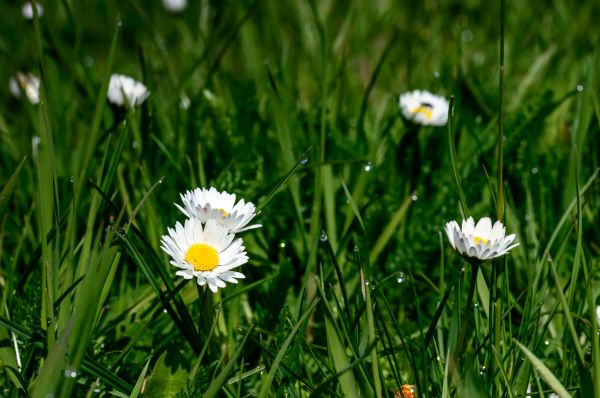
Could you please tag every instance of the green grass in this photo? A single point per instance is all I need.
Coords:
(352, 288)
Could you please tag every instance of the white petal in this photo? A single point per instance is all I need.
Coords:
(484, 228)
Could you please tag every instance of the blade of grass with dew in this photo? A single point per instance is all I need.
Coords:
(543, 370)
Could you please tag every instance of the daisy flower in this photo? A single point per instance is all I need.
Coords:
(123, 90)
(28, 83)
(27, 9)
(210, 204)
(425, 108)
(174, 5)
(481, 242)
(207, 253)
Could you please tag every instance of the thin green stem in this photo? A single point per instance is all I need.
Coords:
(451, 141)
(464, 325)
(500, 202)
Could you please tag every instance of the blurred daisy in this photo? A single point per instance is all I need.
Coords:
(207, 253)
(174, 5)
(123, 90)
(210, 204)
(27, 9)
(424, 108)
(28, 83)
(481, 242)
(406, 391)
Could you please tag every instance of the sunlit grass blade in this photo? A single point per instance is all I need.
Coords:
(543, 370)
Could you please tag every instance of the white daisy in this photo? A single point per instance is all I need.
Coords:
(28, 83)
(174, 5)
(481, 242)
(424, 108)
(210, 204)
(123, 90)
(209, 254)
(27, 9)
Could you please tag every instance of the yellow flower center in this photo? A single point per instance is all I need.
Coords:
(225, 214)
(424, 109)
(202, 256)
(479, 240)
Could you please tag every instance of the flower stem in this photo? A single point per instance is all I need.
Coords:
(464, 325)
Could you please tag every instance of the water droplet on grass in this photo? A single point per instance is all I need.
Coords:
(368, 166)
(304, 161)
(323, 236)
(580, 87)
(70, 373)
(466, 35)
(282, 244)
(401, 277)
(88, 61)
(414, 197)
(534, 170)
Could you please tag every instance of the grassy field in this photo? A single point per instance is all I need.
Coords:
(352, 287)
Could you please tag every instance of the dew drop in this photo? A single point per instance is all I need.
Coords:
(323, 236)
(165, 311)
(580, 87)
(161, 180)
(368, 166)
(304, 161)
(546, 342)
(414, 197)
(71, 179)
(476, 304)
(466, 35)
(401, 277)
(282, 244)
(88, 61)
(135, 144)
(436, 74)
(355, 248)
(70, 373)
(534, 170)
(119, 23)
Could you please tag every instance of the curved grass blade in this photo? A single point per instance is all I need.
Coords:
(546, 374)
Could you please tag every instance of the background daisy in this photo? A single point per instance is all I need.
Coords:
(425, 108)
(210, 204)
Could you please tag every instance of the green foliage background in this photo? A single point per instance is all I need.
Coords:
(293, 105)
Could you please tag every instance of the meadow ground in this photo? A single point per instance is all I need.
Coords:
(352, 287)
